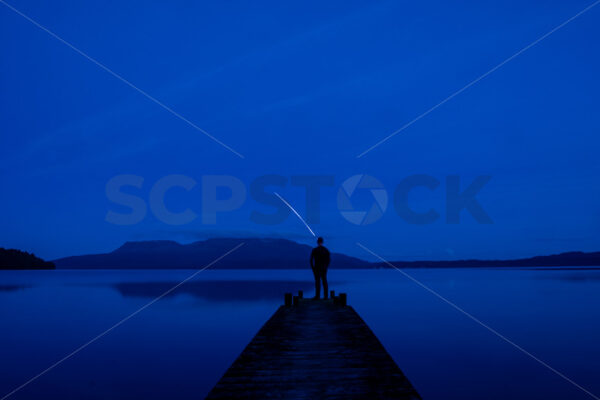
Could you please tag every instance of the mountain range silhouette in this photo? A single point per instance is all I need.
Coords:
(258, 253)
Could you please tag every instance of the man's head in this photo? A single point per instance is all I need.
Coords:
(320, 241)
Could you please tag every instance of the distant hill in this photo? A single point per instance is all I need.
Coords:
(278, 254)
(569, 259)
(17, 259)
(254, 254)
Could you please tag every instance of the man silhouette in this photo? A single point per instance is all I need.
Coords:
(319, 261)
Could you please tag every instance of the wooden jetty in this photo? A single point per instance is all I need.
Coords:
(314, 349)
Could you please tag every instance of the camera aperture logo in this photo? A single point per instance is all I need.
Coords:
(362, 182)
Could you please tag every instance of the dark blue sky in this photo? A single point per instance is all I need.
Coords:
(302, 89)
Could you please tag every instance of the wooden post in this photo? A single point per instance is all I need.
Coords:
(343, 299)
(288, 299)
(300, 294)
(332, 293)
(295, 300)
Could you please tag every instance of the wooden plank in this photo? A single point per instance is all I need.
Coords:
(313, 350)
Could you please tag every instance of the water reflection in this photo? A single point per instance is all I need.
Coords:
(180, 351)
(12, 288)
(573, 275)
(217, 290)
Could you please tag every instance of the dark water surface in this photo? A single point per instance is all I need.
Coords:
(178, 347)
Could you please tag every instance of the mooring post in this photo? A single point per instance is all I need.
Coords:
(343, 299)
(300, 294)
(287, 299)
(332, 293)
(295, 300)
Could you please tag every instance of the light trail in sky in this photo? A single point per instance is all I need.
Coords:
(295, 212)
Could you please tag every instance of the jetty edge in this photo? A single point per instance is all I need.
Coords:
(314, 349)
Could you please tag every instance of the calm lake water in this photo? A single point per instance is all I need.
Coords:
(178, 347)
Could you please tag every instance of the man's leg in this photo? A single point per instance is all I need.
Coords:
(317, 283)
(324, 279)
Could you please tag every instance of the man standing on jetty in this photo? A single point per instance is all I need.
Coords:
(319, 261)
